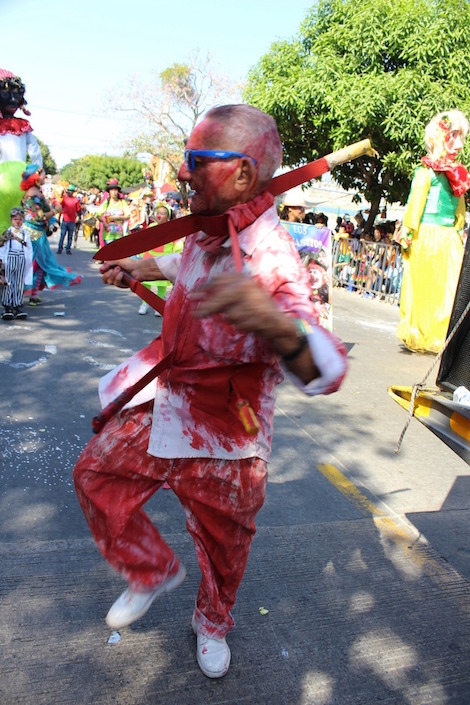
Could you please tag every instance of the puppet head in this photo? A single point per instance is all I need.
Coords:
(11, 94)
(445, 135)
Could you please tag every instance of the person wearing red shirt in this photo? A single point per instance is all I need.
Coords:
(70, 209)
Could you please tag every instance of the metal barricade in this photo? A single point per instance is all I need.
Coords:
(374, 269)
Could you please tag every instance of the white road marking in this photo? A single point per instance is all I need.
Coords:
(107, 330)
(101, 365)
(22, 365)
(99, 344)
(378, 325)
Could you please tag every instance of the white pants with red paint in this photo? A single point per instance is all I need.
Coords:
(115, 476)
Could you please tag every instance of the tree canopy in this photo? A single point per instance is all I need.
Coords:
(376, 68)
(167, 110)
(48, 161)
(93, 170)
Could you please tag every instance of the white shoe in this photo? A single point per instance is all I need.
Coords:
(143, 308)
(157, 313)
(213, 655)
(132, 605)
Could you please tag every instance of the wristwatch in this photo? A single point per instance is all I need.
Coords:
(303, 328)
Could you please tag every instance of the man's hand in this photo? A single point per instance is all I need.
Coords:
(242, 301)
(141, 269)
(248, 307)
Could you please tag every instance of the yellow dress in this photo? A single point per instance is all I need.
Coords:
(431, 265)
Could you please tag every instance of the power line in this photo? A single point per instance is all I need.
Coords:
(67, 143)
(77, 148)
(118, 115)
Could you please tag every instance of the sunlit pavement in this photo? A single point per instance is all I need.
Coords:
(361, 562)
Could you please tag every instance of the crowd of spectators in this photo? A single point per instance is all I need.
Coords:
(364, 260)
(368, 262)
(139, 209)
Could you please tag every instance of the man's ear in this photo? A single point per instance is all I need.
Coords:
(246, 177)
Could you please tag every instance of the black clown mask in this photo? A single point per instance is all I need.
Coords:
(11, 95)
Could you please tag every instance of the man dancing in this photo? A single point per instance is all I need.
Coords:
(229, 331)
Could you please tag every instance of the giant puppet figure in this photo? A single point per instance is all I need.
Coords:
(16, 144)
(431, 236)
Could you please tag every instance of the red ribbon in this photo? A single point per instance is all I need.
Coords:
(216, 227)
(151, 238)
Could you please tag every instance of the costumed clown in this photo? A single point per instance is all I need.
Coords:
(113, 214)
(16, 143)
(38, 212)
(431, 236)
(163, 214)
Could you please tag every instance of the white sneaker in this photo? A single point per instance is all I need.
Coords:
(157, 313)
(132, 605)
(213, 655)
(143, 308)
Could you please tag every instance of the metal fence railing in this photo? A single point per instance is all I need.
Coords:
(374, 269)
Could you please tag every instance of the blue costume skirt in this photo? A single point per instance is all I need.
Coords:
(54, 274)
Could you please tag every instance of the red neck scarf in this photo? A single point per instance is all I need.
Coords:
(14, 126)
(457, 175)
(239, 218)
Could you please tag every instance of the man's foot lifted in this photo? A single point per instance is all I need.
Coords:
(132, 605)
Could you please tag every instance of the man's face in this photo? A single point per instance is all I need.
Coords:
(211, 179)
(296, 214)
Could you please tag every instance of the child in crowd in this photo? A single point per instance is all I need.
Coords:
(341, 267)
(163, 214)
(16, 255)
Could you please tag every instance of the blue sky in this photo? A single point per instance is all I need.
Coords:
(71, 56)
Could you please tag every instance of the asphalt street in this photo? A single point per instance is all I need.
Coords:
(361, 562)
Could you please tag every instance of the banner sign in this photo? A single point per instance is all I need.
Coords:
(314, 246)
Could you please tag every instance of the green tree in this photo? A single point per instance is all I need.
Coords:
(167, 110)
(48, 161)
(376, 68)
(93, 170)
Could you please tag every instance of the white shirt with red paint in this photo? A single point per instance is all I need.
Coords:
(216, 365)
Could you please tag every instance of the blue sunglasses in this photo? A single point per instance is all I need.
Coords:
(191, 154)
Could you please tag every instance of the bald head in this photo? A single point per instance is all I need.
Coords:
(250, 131)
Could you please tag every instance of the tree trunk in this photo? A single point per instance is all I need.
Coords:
(374, 209)
(376, 197)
